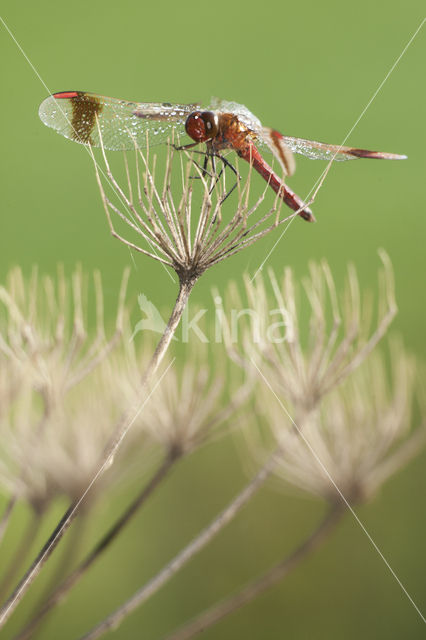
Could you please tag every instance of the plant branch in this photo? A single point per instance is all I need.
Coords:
(185, 289)
(4, 521)
(70, 552)
(21, 552)
(251, 591)
(119, 434)
(179, 561)
(104, 543)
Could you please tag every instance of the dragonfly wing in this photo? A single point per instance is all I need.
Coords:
(267, 138)
(277, 144)
(92, 119)
(322, 151)
(243, 114)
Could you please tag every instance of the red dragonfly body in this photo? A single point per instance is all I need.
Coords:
(97, 120)
(226, 131)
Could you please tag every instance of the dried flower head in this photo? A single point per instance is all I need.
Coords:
(43, 328)
(192, 409)
(178, 230)
(359, 435)
(53, 430)
(43, 457)
(187, 404)
(304, 363)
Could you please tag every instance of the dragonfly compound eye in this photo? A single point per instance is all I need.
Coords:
(202, 126)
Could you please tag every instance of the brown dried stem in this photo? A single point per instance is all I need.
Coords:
(255, 588)
(120, 432)
(21, 552)
(7, 513)
(59, 594)
(188, 552)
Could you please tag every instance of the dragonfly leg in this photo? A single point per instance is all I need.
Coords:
(184, 147)
(203, 168)
(228, 164)
(209, 154)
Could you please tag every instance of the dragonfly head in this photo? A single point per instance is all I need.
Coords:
(202, 125)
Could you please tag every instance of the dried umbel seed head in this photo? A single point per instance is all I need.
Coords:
(359, 435)
(188, 403)
(57, 454)
(43, 328)
(305, 364)
(53, 429)
(188, 229)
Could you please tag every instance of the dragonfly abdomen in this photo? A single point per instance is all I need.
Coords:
(249, 153)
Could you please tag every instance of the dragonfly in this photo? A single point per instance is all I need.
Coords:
(114, 124)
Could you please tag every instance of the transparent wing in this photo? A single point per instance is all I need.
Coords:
(276, 143)
(267, 139)
(243, 114)
(86, 117)
(322, 151)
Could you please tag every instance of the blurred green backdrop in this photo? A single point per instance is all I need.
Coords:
(308, 69)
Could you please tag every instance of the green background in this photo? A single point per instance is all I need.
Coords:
(308, 69)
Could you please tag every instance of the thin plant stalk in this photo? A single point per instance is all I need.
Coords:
(185, 289)
(70, 553)
(186, 554)
(102, 545)
(21, 552)
(251, 591)
(7, 513)
(120, 431)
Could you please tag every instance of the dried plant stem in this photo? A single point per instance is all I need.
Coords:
(70, 553)
(123, 425)
(6, 516)
(251, 591)
(21, 552)
(23, 585)
(104, 543)
(186, 286)
(188, 552)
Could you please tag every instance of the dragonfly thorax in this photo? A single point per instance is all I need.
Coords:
(202, 125)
